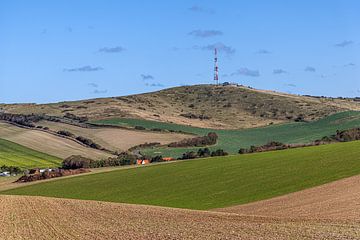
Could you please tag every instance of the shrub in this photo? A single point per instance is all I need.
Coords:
(65, 133)
(207, 140)
(88, 142)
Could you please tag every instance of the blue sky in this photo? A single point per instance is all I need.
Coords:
(66, 50)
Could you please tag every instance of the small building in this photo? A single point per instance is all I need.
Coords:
(142, 161)
(145, 161)
(167, 159)
(5, 174)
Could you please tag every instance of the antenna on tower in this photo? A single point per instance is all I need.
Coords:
(216, 69)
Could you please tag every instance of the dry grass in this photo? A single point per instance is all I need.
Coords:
(49, 218)
(115, 138)
(47, 143)
(228, 107)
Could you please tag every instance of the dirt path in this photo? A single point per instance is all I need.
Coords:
(24, 217)
(338, 200)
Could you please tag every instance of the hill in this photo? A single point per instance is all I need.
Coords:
(43, 218)
(213, 182)
(47, 143)
(206, 106)
(232, 140)
(12, 154)
(335, 200)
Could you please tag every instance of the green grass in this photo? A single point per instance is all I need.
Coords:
(12, 154)
(212, 182)
(232, 140)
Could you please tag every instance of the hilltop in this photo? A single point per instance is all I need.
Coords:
(209, 106)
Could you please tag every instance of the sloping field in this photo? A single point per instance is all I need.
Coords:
(115, 138)
(49, 218)
(213, 182)
(47, 143)
(336, 200)
(232, 140)
(12, 154)
(226, 107)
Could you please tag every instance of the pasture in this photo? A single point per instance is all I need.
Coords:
(211, 182)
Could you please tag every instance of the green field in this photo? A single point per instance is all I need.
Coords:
(232, 140)
(211, 182)
(12, 154)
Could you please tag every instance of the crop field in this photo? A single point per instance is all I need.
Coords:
(232, 140)
(211, 182)
(12, 154)
(48, 143)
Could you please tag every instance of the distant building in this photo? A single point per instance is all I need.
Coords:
(142, 161)
(167, 159)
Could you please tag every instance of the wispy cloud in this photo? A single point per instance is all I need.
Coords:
(289, 85)
(350, 65)
(97, 91)
(263, 51)
(84, 69)
(205, 33)
(310, 69)
(199, 9)
(147, 77)
(344, 43)
(279, 71)
(94, 85)
(246, 72)
(154, 85)
(221, 47)
(116, 49)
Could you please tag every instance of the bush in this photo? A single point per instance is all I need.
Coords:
(207, 140)
(88, 142)
(76, 161)
(140, 128)
(11, 169)
(66, 133)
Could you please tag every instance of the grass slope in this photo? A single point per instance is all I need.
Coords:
(213, 182)
(233, 140)
(12, 154)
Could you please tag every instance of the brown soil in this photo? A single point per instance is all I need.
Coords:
(47, 143)
(115, 138)
(338, 200)
(24, 217)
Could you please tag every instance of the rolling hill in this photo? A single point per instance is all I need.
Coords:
(206, 106)
(12, 154)
(44, 218)
(47, 143)
(213, 182)
(232, 140)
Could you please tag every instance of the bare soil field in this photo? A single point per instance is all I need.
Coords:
(338, 200)
(116, 138)
(24, 217)
(231, 107)
(47, 143)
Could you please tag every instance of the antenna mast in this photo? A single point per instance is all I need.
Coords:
(216, 69)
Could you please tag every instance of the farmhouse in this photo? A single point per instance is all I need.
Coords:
(167, 159)
(142, 161)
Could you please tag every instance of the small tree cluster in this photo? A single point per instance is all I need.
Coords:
(202, 153)
(209, 139)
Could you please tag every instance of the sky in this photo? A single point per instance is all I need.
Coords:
(68, 50)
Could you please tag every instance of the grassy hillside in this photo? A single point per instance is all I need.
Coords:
(213, 182)
(233, 140)
(12, 154)
(224, 107)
